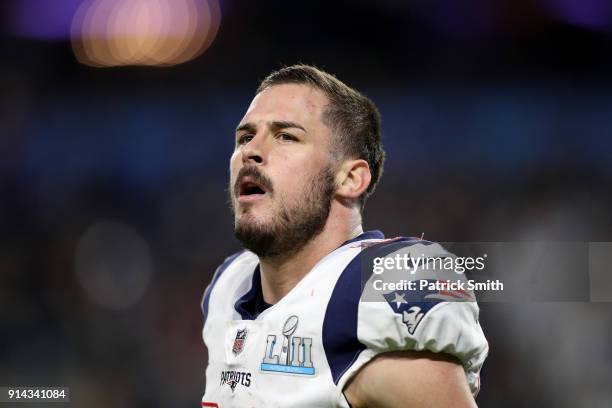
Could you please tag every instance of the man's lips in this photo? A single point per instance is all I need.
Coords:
(250, 190)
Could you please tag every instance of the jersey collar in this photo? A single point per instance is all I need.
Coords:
(251, 304)
(373, 234)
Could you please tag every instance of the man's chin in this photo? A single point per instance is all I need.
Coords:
(256, 238)
(250, 222)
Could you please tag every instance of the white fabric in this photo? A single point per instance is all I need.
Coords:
(449, 327)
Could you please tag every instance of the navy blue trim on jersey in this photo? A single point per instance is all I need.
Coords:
(206, 298)
(340, 341)
(251, 304)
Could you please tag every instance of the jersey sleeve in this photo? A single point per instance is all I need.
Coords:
(428, 314)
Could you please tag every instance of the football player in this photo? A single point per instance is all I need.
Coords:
(286, 320)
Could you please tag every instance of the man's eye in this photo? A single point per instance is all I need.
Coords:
(244, 139)
(287, 137)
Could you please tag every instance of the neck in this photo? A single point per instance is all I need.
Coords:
(280, 274)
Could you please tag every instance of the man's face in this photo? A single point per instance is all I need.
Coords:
(281, 182)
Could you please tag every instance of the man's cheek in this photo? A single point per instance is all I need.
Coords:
(234, 164)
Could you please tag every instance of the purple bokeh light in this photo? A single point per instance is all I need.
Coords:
(465, 20)
(593, 14)
(42, 19)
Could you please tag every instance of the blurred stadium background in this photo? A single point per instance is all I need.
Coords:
(497, 120)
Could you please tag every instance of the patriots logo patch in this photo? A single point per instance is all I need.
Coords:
(233, 378)
(414, 304)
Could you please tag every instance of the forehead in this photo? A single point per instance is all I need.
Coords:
(288, 102)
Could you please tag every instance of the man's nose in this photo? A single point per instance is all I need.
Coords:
(254, 151)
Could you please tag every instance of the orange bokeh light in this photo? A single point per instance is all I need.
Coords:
(109, 33)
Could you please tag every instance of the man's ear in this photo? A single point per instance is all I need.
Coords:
(353, 178)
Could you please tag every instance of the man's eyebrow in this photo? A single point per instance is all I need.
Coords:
(276, 125)
(249, 127)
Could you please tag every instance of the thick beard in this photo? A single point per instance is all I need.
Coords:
(295, 225)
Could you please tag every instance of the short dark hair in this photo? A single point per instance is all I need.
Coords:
(352, 117)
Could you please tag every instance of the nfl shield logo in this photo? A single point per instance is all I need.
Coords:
(239, 341)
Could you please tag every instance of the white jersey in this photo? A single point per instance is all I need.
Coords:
(301, 351)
